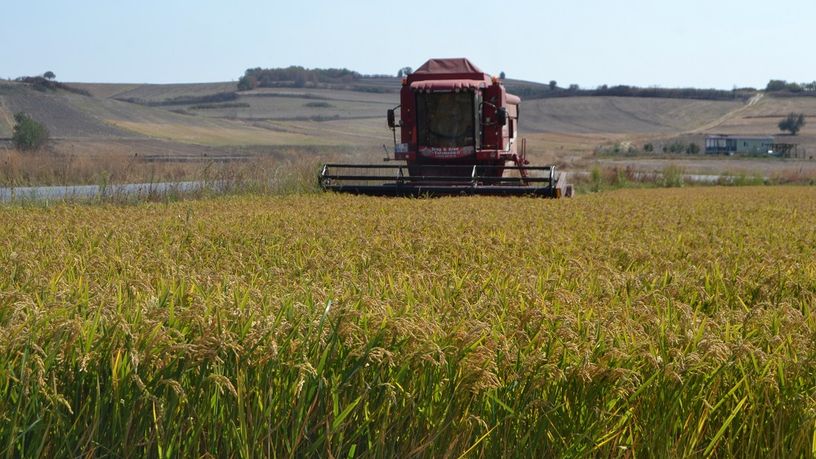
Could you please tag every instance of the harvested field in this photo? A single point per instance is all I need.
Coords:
(630, 115)
(269, 107)
(657, 323)
(154, 92)
(57, 113)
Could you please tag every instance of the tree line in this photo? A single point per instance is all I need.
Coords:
(48, 82)
(785, 88)
(635, 91)
(299, 77)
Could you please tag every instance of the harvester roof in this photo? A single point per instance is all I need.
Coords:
(451, 75)
(455, 65)
(449, 69)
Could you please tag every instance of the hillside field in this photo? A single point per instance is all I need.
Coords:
(134, 124)
(660, 323)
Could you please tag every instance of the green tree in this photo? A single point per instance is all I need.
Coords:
(404, 72)
(553, 85)
(247, 82)
(782, 85)
(792, 123)
(693, 148)
(502, 75)
(29, 134)
(49, 75)
(776, 85)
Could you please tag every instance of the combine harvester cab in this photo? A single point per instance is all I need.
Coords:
(458, 135)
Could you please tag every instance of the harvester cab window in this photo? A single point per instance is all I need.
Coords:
(446, 119)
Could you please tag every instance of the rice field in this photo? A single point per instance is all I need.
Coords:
(634, 323)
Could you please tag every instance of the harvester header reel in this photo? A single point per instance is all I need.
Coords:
(394, 180)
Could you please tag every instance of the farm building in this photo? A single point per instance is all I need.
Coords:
(733, 144)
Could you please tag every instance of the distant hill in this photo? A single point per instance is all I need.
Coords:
(345, 79)
(354, 117)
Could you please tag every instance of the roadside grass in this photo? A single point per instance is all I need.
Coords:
(255, 172)
(248, 170)
(203, 181)
(637, 322)
(608, 178)
(6, 121)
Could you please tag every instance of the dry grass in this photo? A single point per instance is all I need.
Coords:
(6, 121)
(254, 172)
(280, 105)
(639, 323)
(95, 162)
(217, 134)
(200, 130)
(53, 168)
(617, 175)
(620, 115)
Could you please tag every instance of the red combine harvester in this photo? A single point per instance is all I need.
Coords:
(458, 135)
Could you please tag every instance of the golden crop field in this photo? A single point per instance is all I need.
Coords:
(633, 323)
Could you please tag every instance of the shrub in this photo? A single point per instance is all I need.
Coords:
(692, 148)
(621, 177)
(675, 147)
(318, 105)
(792, 123)
(44, 84)
(595, 179)
(247, 82)
(672, 177)
(219, 106)
(29, 134)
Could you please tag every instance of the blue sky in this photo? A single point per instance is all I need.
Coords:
(587, 42)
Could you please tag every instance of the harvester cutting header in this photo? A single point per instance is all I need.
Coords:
(458, 135)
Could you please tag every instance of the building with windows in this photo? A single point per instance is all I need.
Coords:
(736, 144)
